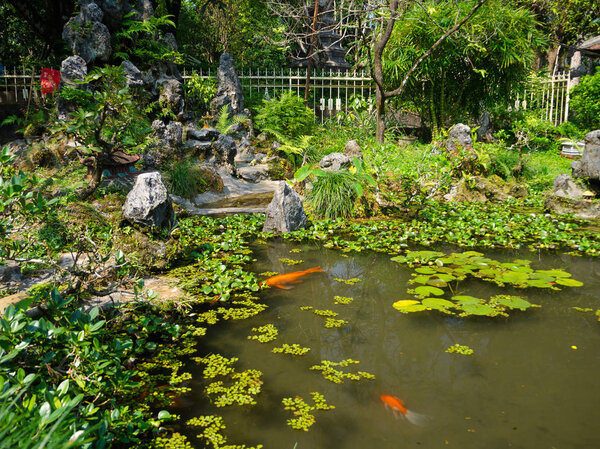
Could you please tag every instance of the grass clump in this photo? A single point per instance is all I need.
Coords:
(333, 195)
(186, 180)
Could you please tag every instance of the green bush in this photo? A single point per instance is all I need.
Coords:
(185, 179)
(286, 116)
(199, 91)
(585, 102)
(333, 194)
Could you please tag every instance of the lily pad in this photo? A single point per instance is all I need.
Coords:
(436, 282)
(464, 299)
(407, 306)
(514, 302)
(427, 290)
(437, 303)
(404, 303)
(425, 270)
(568, 282)
(479, 309)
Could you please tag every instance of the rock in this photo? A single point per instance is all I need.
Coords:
(285, 213)
(171, 95)
(197, 148)
(245, 154)
(259, 157)
(519, 190)
(224, 150)
(590, 159)
(254, 173)
(565, 187)
(335, 161)
(353, 149)
(203, 134)
(144, 10)
(170, 135)
(148, 203)
(88, 37)
(72, 70)
(459, 138)
(229, 89)
(484, 130)
(114, 10)
(586, 210)
(475, 189)
(261, 138)
(132, 74)
(275, 145)
(10, 272)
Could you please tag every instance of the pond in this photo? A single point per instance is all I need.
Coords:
(532, 381)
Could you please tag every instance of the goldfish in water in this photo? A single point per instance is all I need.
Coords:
(282, 280)
(397, 406)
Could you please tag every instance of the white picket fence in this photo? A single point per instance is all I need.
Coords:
(549, 96)
(331, 91)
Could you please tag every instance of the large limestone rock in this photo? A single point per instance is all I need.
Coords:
(133, 75)
(565, 187)
(589, 166)
(72, 70)
(148, 203)
(285, 213)
(224, 150)
(171, 95)
(353, 149)
(229, 89)
(459, 138)
(87, 36)
(335, 162)
(170, 135)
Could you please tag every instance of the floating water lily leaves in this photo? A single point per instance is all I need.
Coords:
(426, 290)
(567, 282)
(438, 304)
(463, 299)
(478, 309)
(512, 302)
(409, 305)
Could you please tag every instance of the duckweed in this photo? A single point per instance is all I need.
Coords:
(306, 308)
(216, 365)
(246, 385)
(342, 300)
(264, 334)
(303, 412)
(293, 349)
(332, 322)
(459, 349)
(350, 281)
(213, 427)
(325, 313)
(290, 262)
(331, 373)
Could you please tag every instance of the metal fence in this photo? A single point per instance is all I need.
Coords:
(548, 96)
(331, 91)
(18, 85)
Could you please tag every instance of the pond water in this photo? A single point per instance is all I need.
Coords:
(525, 386)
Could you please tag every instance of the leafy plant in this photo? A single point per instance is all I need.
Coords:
(199, 91)
(226, 124)
(285, 116)
(330, 371)
(585, 102)
(303, 412)
(459, 349)
(185, 180)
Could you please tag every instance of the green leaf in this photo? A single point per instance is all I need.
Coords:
(437, 303)
(404, 303)
(463, 299)
(568, 282)
(163, 414)
(478, 309)
(514, 302)
(427, 290)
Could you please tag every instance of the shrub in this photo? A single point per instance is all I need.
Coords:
(585, 102)
(185, 179)
(285, 116)
(199, 91)
(333, 194)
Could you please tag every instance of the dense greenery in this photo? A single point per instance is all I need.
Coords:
(585, 102)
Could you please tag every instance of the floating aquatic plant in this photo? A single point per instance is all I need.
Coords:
(268, 273)
(332, 322)
(350, 281)
(329, 313)
(264, 334)
(213, 427)
(459, 349)
(342, 299)
(246, 385)
(303, 412)
(587, 309)
(290, 262)
(216, 365)
(295, 250)
(330, 372)
(306, 307)
(293, 349)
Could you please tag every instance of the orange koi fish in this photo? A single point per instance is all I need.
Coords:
(397, 406)
(282, 280)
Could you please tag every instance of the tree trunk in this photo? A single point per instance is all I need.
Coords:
(380, 114)
(311, 50)
(94, 182)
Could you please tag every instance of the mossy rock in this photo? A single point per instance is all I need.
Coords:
(146, 252)
(280, 169)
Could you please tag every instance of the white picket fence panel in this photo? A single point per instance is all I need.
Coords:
(549, 96)
(17, 85)
(331, 91)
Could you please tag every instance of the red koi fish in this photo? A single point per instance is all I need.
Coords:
(282, 280)
(397, 406)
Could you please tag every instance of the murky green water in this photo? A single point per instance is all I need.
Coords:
(525, 386)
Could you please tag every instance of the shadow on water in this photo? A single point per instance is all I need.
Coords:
(524, 387)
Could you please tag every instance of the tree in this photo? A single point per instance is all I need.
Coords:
(109, 120)
(479, 68)
(390, 15)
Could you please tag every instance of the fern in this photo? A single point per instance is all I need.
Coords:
(225, 123)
